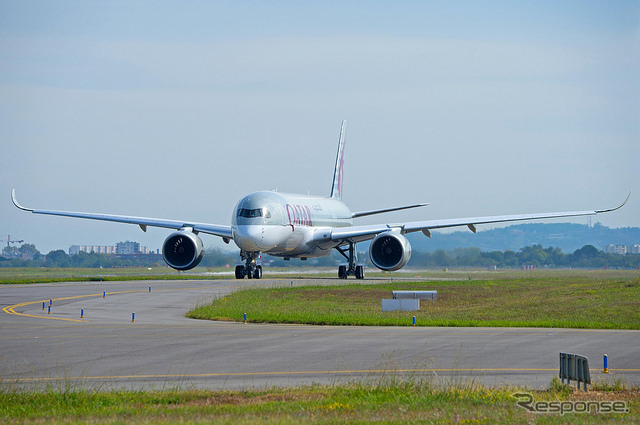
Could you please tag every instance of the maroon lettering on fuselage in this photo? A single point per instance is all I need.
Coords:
(299, 215)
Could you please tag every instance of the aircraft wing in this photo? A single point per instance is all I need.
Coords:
(367, 232)
(212, 229)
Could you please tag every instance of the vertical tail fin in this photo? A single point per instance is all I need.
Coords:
(336, 188)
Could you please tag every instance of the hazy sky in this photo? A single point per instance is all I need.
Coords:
(178, 109)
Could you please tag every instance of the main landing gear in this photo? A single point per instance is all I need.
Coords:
(250, 269)
(351, 269)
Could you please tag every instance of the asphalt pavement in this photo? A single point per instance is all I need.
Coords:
(161, 348)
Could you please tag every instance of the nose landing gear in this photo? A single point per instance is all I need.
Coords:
(250, 269)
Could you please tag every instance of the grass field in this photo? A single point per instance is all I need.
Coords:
(385, 403)
(596, 300)
(16, 275)
(26, 275)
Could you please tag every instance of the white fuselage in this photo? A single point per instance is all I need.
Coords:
(288, 225)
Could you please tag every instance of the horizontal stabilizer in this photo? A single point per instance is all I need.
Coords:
(366, 213)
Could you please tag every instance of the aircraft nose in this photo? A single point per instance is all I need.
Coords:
(251, 238)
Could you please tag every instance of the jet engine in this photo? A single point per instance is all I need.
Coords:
(390, 251)
(182, 250)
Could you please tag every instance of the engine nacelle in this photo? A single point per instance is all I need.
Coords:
(182, 250)
(390, 251)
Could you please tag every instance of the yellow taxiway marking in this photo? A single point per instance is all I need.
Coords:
(292, 373)
(11, 309)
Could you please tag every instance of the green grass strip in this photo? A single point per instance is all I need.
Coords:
(563, 301)
(386, 402)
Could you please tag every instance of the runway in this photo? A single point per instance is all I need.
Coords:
(162, 349)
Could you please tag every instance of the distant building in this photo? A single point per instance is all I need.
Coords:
(121, 248)
(98, 249)
(127, 248)
(622, 249)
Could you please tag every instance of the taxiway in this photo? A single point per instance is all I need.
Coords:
(164, 349)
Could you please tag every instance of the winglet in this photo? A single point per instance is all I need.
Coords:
(15, 201)
(336, 187)
(616, 208)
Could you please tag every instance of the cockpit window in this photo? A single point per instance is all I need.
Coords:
(258, 212)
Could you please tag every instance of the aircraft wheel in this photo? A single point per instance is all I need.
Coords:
(342, 272)
(239, 272)
(257, 274)
(359, 272)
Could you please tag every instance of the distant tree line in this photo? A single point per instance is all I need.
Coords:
(59, 258)
(28, 256)
(535, 255)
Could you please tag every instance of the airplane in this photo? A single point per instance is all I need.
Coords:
(302, 226)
